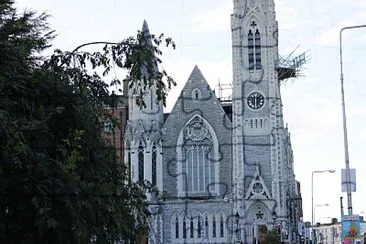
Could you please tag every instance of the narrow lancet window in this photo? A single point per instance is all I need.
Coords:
(153, 165)
(129, 163)
(221, 226)
(184, 228)
(176, 227)
(140, 151)
(250, 50)
(199, 228)
(214, 227)
(254, 49)
(206, 228)
(258, 59)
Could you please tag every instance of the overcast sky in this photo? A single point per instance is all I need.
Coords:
(201, 30)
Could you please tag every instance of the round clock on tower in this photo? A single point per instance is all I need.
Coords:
(255, 100)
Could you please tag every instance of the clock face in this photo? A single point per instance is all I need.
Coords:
(255, 100)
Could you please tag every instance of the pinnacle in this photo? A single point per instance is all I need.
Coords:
(145, 27)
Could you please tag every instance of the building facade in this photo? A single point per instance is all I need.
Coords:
(226, 168)
(332, 233)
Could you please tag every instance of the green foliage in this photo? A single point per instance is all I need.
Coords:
(138, 55)
(271, 237)
(60, 181)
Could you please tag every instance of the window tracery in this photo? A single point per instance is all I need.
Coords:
(198, 165)
(254, 47)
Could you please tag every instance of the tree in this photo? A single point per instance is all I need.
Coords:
(60, 181)
(271, 237)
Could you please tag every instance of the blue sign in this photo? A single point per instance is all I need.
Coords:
(350, 227)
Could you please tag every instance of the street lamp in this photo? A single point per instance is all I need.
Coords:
(348, 174)
(312, 192)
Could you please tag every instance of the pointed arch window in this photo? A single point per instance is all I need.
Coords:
(221, 226)
(141, 161)
(198, 164)
(153, 164)
(254, 49)
(191, 228)
(129, 170)
(214, 227)
(199, 228)
(258, 59)
(206, 228)
(250, 50)
(184, 228)
(176, 228)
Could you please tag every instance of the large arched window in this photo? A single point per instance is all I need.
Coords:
(199, 168)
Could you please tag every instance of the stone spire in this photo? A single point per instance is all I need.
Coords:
(154, 109)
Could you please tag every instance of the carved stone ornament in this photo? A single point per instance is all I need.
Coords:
(196, 130)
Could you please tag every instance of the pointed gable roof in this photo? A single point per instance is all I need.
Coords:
(257, 188)
(196, 83)
(198, 97)
(196, 75)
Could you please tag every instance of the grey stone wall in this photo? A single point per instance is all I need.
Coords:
(209, 108)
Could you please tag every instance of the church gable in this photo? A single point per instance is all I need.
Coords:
(196, 112)
(257, 188)
(195, 91)
(197, 95)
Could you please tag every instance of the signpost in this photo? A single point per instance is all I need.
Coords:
(351, 182)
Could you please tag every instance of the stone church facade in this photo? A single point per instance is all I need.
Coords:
(226, 168)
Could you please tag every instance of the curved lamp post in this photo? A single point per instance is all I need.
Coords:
(348, 174)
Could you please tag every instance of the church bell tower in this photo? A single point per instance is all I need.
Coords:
(258, 127)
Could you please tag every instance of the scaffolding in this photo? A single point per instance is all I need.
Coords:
(291, 67)
(288, 68)
(224, 92)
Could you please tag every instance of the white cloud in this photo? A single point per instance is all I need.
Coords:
(216, 19)
(330, 37)
(362, 4)
(357, 110)
(363, 134)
